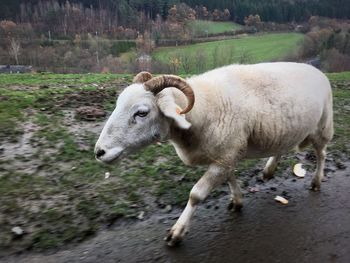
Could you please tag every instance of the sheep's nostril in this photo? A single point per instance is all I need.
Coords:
(100, 152)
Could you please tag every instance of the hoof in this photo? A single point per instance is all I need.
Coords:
(175, 235)
(267, 176)
(172, 241)
(315, 186)
(234, 207)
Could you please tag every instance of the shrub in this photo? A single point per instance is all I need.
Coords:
(334, 61)
(121, 46)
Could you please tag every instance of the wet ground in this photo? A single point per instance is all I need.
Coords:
(313, 227)
(51, 185)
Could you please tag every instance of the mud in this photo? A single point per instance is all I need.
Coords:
(313, 227)
(22, 148)
(86, 98)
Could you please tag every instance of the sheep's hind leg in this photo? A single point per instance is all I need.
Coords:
(214, 176)
(270, 167)
(236, 202)
(321, 156)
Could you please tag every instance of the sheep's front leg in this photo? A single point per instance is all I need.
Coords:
(215, 176)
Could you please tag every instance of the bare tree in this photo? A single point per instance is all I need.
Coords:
(65, 24)
(15, 49)
(97, 53)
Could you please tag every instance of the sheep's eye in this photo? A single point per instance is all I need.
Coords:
(141, 113)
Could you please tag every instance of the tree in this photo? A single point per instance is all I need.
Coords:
(181, 14)
(145, 43)
(216, 15)
(205, 12)
(15, 49)
(252, 20)
(7, 28)
(227, 14)
(202, 12)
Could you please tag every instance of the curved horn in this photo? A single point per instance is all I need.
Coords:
(157, 84)
(142, 77)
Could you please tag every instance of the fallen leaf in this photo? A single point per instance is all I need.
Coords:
(253, 189)
(17, 231)
(141, 215)
(299, 171)
(281, 199)
(168, 208)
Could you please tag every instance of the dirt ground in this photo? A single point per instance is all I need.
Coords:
(313, 227)
(52, 188)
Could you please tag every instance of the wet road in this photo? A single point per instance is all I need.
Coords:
(313, 227)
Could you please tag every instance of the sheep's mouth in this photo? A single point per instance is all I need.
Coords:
(109, 161)
(111, 158)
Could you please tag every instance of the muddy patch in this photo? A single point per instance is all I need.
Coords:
(86, 98)
(18, 155)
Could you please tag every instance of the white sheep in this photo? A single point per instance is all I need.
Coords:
(231, 113)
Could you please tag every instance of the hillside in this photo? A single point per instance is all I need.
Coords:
(248, 49)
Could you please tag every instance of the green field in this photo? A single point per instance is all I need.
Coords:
(61, 79)
(341, 76)
(203, 28)
(249, 49)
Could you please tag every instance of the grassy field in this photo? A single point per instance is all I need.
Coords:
(60, 79)
(52, 187)
(204, 28)
(342, 76)
(249, 49)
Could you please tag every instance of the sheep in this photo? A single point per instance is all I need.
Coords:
(220, 117)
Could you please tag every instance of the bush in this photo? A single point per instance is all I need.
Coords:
(334, 61)
(160, 67)
(122, 46)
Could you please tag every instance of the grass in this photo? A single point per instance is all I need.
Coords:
(204, 28)
(341, 100)
(342, 76)
(249, 49)
(52, 79)
(64, 197)
(14, 101)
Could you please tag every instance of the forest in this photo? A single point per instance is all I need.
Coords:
(271, 10)
(122, 36)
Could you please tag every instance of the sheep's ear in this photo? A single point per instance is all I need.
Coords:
(169, 108)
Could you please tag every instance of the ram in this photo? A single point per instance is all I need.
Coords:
(220, 117)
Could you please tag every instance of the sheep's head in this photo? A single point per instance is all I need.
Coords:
(144, 114)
